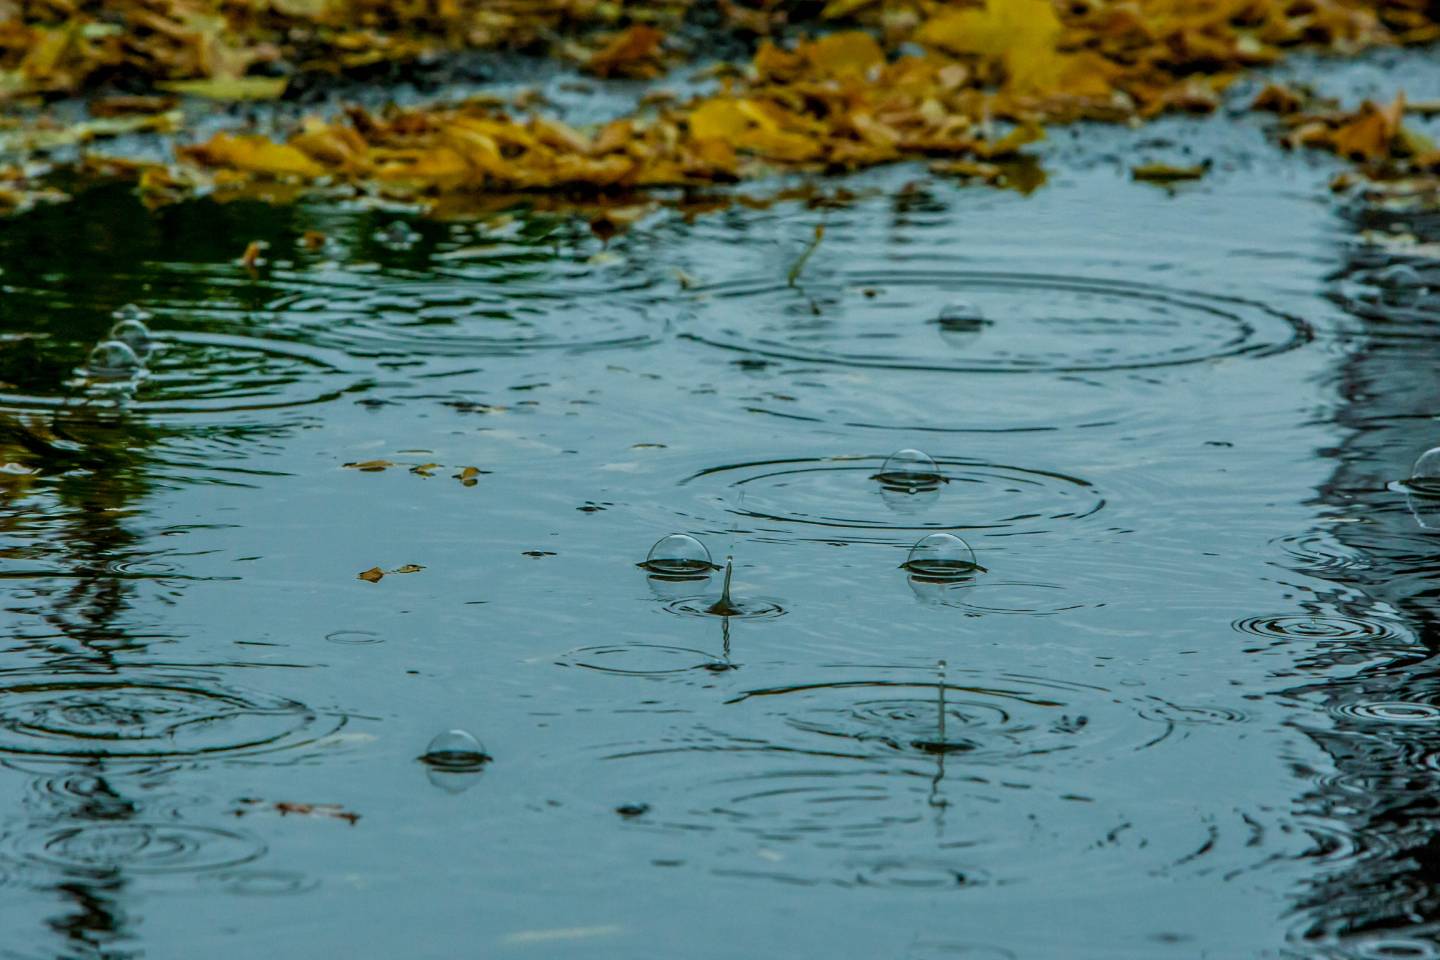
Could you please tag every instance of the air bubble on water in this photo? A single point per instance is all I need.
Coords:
(961, 316)
(911, 471)
(1422, 490)
(1400, 285)
(133, 333)
(131, 311)
(455, 750)
(397, 235)
(679, 555)
(112, 359)
(942, 556)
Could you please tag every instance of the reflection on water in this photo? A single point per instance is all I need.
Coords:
(1177, 670)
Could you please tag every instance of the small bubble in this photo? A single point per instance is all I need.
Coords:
(910, 471)
(679, 555)
(961, 316)
(455, 750)
(942, 557)
(1400, 285)
(131, 312)
(133, 333)
(397, 235)
(112, 359)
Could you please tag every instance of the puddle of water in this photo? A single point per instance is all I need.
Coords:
(1185, 676)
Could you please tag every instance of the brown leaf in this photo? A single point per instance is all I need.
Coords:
(370, 466)
(373, 575)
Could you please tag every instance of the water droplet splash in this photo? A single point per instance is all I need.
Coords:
(910, 471)
(725, 606)
(455, 751)
(112, 360)
(961, 316)
(679, 556)
(942, 558)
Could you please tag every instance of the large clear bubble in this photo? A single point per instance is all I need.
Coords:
(1422, 490)
(910, 471)
(112, 360)
(942, 557)
(455, 749)
(134, 334)
(679, 556)
(961, 316)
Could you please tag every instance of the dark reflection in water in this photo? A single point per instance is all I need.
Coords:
(1379, 895)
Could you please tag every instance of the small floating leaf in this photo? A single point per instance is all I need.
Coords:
(373, 575)
(408, 568)
(1166, 173)
(229, 88)
(370, 466)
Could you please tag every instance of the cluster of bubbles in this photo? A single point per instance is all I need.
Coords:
(120, 360)
(455, 756)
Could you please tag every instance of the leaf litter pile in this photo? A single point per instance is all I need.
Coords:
(812, 87)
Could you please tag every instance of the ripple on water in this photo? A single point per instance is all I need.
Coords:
(147, 716)
(841, 493)
(1316, 627)
(262, 883)
(1036, 322)
(642, 660)
(1389, 711)
(207, 374)
(134, 847)
(989, 718)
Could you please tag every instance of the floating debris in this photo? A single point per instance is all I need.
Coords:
(397, 235)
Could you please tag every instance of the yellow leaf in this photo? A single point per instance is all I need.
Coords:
(1021, 34)
(851, 52)
(843, 8)
(256, 154)
(229, 88)
(370, 466)
(718, 119)
(373, 575)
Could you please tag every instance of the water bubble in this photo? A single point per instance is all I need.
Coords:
(134, 334)
(455, 750)
(961, 316)
(397, 235)
(1400, 285)
(112, 359)
(910, 471)
(679, 556)
(942, 557)
(1422, 490)
(131, 312)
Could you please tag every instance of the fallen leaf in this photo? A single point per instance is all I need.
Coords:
(373, 575)
(1168, 173)
(370, 466)
(229, 88)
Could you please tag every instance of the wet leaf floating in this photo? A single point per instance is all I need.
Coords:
(332, 810)
(370, 466)
(373, 575)
(229, 88)
(1169, 173)
(254, 256)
